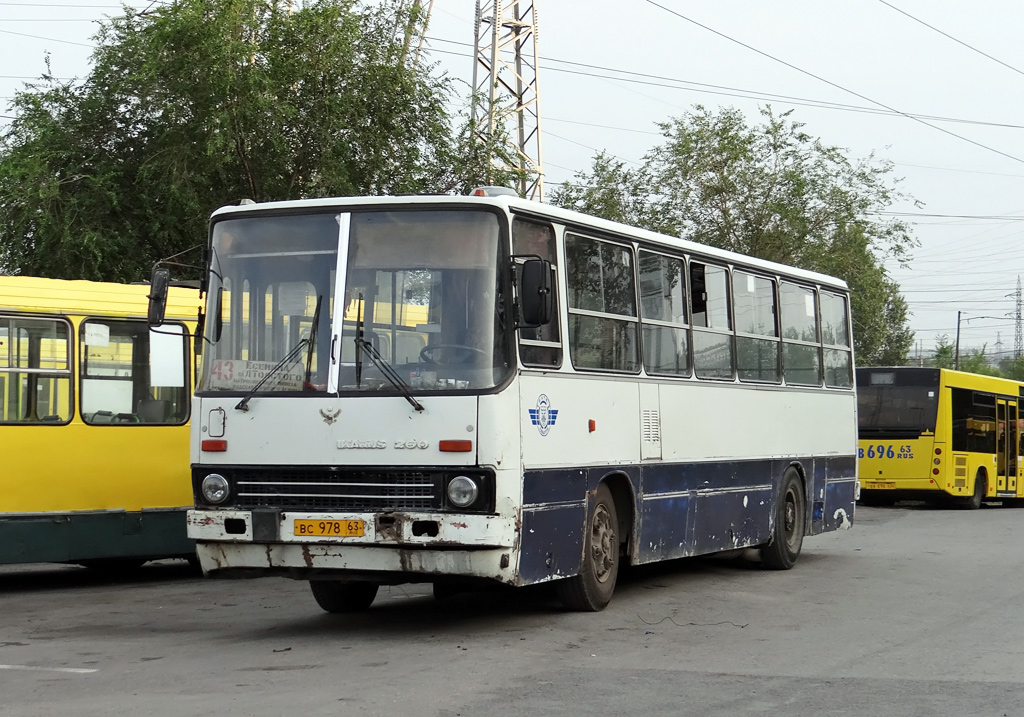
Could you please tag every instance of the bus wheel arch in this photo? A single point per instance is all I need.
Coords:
(625, 508)
(790, 521)
(591, 588)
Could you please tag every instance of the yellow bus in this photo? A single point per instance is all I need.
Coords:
(931, 433)
(94, 409)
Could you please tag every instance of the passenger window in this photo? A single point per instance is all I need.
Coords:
(131, 375)
(835, 335)
(801, 356)
(540, 346)
(663, 311)
(602, 305)
(712, 331)
(757, 342)
(35, 371)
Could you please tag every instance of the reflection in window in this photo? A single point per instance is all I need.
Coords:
(540, 346)
(35, 372)
(131, 375)
(663, 310)
(712, 335)
(835, 334)
(602, 305)
(757, 359)
(801, 354)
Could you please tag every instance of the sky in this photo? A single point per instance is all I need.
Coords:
(856, 72)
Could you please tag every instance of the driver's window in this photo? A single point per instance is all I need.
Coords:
(541, 346)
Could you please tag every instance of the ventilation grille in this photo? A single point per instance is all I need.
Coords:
(960, 461)
(335, 490)
(651, 428)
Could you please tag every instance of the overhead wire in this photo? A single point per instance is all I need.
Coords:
(834, 84)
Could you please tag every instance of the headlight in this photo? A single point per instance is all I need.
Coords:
(215, 488)
(462, 491)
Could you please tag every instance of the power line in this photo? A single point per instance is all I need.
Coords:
(726, 91)
(954, 39)
(833, 84)
(47, 39)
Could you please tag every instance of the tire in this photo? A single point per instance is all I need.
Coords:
(980, 489)
(338, 597)
(783, 549)
(591, 589)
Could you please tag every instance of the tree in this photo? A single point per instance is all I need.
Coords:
(945, 352)
(770, 191)
(200, 103)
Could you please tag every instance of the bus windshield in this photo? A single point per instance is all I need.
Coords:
(423, 306)
(905, 403)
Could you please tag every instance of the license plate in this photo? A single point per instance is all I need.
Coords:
(332, 528)
(879, 485)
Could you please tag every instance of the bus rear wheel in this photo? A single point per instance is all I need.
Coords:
(591, 589)
(980, 489)
(783, 549)
(338, 597)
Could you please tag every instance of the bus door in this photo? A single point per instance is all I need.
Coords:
(1006, 446)
(1012, 445)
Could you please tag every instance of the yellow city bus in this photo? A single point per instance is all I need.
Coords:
(932, 434)
(94, 409)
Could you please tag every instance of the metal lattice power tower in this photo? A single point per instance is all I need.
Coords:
(1018, 337)
(505, 86)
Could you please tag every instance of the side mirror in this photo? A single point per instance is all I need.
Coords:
(158, 284)
(536, 300)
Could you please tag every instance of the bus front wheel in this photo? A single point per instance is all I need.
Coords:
(591, 589)
(337, 597)
(783, 549)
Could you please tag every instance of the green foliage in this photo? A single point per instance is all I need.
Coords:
(200, 103)
(976, 361)
(945, 352)
(1013, 368)
(770, 191)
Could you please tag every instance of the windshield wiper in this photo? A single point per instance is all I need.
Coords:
(312, 341)
(385, 368)
(243, 405)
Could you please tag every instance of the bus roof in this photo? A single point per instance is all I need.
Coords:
(59, 296)
(527, 207)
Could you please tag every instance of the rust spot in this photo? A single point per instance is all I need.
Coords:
(306, 557)
(460, 525)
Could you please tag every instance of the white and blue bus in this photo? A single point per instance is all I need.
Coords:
(430, 389)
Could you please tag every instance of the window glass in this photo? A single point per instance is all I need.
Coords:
(838, 368)
(802, 364)
(754, 302)
(35, 375)
(834, 327)
(798, 313)
(709, 296)
(662, 287)
(540, 346)
(757, 359)
(131, 375)
(600, 281)
(600, 343)
(712, 355)
(600, 276)
(666, 350)
(974, 421)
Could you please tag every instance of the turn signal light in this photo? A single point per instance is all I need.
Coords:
(215, 445)
(456, 446)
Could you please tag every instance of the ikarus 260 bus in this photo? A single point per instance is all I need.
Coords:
(426, 389)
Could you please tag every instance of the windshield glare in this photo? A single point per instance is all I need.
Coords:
(422, 287)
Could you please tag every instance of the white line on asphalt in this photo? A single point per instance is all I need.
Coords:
(75, 670)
